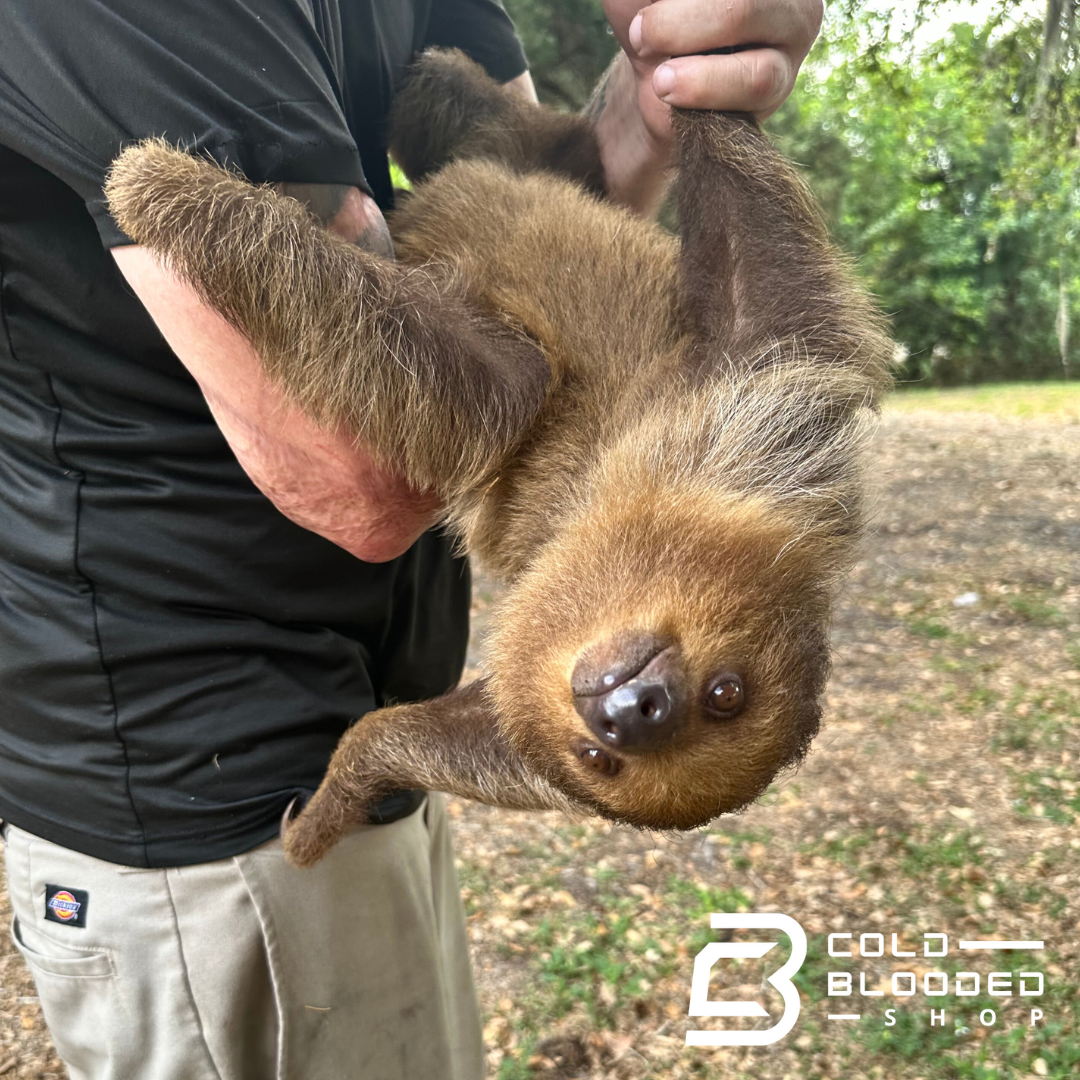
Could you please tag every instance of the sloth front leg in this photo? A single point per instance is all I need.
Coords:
(396, 356)
(452, 743)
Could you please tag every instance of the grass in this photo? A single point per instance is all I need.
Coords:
(596, 959)
(1042, 725)
(959, 1051)
(614, 956)
(1051, 793)
(1038, 720)
(591, 959)
(930, 628)
(920, 857)
(1058, 400)
(934, 628)
(1034, 608)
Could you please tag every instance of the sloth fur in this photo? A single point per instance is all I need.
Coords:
(656, 442)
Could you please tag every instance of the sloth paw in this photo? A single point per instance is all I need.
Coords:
(309, 833)
(446, 97)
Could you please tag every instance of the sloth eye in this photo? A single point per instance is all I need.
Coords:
(726, 697)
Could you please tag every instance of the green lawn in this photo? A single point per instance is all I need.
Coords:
(1060, 400)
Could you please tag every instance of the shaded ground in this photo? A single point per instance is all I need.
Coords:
(940, 797)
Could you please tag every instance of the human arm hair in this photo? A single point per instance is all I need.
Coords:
(320, 478)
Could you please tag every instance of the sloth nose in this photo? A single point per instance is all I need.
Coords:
(641, 710)
(638, 713)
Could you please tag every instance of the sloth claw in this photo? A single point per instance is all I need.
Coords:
(309, 836)
(291, 812)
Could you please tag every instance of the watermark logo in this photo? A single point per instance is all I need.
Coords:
(904, 984)
(700, 1005)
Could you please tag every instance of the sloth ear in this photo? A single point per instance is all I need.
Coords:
(395, 355)
(757, 270)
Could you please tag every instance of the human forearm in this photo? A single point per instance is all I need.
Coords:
(320, 479)
(636, 159)
(388, 367)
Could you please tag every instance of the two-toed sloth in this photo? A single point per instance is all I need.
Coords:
(654, 441)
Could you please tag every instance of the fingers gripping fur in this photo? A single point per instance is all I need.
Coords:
(451, 744)
(395, 355)
(756, 266)
(449, 108)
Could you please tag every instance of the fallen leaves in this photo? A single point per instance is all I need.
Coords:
(905, 817)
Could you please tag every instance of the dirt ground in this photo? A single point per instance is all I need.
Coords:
(941, 797)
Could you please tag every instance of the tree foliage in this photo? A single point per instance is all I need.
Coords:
(949, 168)
(569, 45)
(951, 172)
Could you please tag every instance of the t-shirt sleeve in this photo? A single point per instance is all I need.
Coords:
(481, 29)
(251, 83)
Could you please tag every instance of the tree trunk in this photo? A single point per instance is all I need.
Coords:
(1058, 27)
(1063, 320)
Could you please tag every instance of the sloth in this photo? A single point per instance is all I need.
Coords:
(656, 442)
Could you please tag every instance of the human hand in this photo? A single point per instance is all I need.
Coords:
(666, 40)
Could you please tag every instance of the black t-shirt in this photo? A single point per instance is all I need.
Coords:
(177, 659)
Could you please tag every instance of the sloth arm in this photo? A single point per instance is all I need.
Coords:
(452, 743)
(320, 479)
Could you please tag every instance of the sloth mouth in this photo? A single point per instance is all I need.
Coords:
(606, 665)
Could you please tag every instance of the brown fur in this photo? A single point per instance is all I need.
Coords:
(446, 110)
(680, 458)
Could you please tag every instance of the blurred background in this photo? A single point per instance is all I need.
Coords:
(942, 141)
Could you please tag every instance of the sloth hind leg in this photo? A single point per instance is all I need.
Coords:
(450, 109)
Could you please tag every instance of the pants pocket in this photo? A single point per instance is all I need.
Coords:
(75, 988)
(62, 960)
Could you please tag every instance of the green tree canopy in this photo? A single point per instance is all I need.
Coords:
(950, 169)
(569, 45)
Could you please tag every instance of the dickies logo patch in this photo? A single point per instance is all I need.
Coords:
(67, 906)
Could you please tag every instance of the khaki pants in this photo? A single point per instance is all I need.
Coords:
(246, 969)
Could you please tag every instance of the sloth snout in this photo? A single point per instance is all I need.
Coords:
(642, 711)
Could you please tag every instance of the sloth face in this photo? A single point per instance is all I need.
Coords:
(662, 661)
